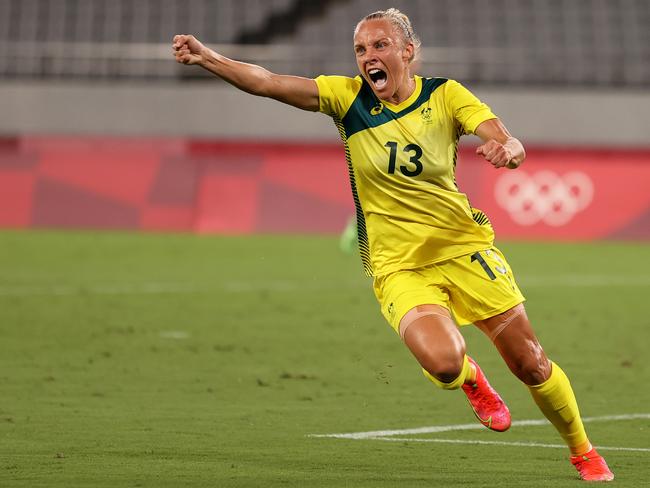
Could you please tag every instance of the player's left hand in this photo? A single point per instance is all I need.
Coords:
(496, 153)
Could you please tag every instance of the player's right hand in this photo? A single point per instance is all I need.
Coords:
(187, 49)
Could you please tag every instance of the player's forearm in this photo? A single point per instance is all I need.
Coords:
(247, 77)
(516, 150)
(499, 148)
(293, 90)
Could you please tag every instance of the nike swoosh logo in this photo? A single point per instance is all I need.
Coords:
(487, 422)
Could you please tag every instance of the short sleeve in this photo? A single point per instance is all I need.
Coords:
(468, 110)
(336, 94)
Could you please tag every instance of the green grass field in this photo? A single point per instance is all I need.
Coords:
(133, 360)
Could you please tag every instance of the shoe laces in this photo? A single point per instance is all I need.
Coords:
(489, 400)
(593, 462)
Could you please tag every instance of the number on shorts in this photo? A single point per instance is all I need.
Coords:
(477, 257)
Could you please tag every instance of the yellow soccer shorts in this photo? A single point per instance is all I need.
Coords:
(473, 287)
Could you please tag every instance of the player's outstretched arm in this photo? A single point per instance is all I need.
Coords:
(499, 148)
(293, 90)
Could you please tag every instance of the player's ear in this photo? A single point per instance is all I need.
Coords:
(407, 52)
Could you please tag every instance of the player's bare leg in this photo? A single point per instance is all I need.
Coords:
(515, 340)
(434, 339)
(513, 336)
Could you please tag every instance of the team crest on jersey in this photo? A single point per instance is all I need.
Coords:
(377, 109)
(425, 113)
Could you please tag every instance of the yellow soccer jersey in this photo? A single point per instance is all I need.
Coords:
(401, 160)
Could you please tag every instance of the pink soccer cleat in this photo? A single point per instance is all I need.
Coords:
(488, 406)
(592, 467)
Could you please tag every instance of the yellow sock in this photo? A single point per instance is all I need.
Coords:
(557, 402)
(457, 383)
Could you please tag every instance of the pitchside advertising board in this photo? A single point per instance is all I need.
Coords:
(242, 187)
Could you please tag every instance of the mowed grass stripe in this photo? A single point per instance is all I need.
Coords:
(159, 360)
(287, 286)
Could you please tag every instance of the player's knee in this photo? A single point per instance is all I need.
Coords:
(445, 368)
(533, 369)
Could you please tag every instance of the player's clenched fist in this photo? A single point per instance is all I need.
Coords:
(494, 152)
(187, 49)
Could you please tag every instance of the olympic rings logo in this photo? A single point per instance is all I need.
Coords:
(544, 196)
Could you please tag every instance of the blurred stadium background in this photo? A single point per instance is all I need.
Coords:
(124, 359)
(101, 128)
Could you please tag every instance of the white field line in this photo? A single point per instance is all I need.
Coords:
(174, 334)
(578, 280)
(473, 426)
(289, 286)
(390, 435)
(96, 289)
(502, 443)
(155, 288)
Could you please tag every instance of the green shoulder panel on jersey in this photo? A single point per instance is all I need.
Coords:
(359, 116)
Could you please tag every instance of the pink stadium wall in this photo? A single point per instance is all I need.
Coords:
(238, 188)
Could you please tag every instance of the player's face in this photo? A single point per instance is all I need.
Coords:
(383, 59)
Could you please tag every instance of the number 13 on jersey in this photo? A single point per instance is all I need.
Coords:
(414, 153)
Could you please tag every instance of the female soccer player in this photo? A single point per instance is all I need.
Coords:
(431, 254)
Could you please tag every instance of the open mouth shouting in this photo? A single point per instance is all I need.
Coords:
(378, 78)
